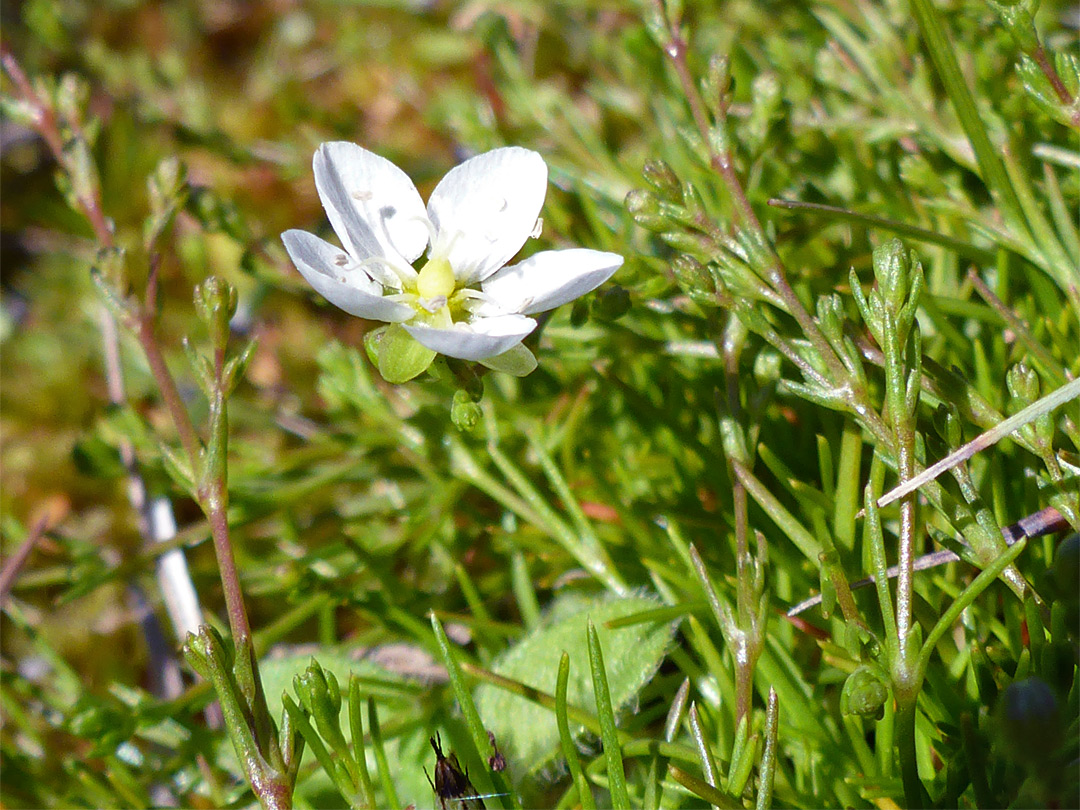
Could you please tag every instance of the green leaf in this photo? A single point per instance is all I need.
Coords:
(528, 734)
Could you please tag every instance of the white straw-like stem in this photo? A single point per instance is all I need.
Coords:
(1066, 393)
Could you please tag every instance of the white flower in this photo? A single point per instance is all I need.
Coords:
(463, 302)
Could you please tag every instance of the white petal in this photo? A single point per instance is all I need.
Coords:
(485, 337)
(374, 207)
(321, 264)
(485, 209)
(550, 278)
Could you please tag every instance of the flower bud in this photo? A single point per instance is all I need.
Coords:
(465, 412)
(321, 697)
(865, 692)
(892, 268)
(72, 96)
(206, 650)
(717, 82)
(215, 301)
(695, 279)
(830, 317)
(644, 207)
(1023, 383)
(397, 355)
(663, 179)
(1018, 17)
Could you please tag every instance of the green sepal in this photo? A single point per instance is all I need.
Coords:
(518, 361)
(396, 354)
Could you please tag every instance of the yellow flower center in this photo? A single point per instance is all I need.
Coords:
(436, 279)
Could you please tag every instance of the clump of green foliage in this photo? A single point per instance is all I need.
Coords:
(851, 243)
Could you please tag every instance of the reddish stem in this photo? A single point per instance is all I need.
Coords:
(15, 562)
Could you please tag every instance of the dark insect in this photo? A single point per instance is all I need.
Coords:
(497, 762)
(452, 784)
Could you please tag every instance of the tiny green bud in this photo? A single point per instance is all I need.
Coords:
(767, 97)
(830, 317)
(892, 268)
(81, 176)
(663, 179)
(717, 82)
(165, 183)
(1023, 383)
(111, 265)
(644, 207)
(694, 278)
(72, 96)
(465, 412)
(865, 692)
(215, 301)
(1018, 17)
(206, 650)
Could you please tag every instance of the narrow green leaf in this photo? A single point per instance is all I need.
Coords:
(387, 779)
(703, 790)
(566, 741)
(356, 729)
(609, 735)
(475, 725)
(944, 59)
(769, 755)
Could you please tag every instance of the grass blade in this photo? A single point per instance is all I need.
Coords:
(584, 792)
(609, 734)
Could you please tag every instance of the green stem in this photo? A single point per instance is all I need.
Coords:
(914, 795)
